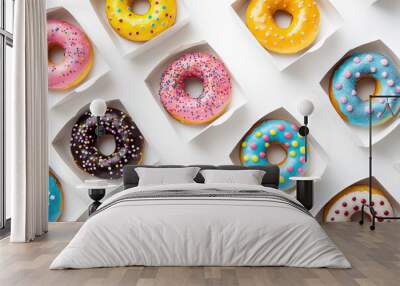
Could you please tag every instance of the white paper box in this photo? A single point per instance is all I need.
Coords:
(317, 160)
(61, 144)
(361, 135)
(396, 166)
(189, 132)
(99, 69)
(350, 8)
(330, 22)
(133, 49)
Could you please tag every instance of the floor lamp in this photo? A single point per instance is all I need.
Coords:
(370, 205)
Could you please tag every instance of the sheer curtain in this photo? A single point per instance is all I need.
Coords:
(26, 119)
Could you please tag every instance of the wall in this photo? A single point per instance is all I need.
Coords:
(264, 86)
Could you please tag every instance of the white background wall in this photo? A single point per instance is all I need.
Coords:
(265, 88)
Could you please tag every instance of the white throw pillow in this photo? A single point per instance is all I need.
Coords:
(246, 177)
(166, 176)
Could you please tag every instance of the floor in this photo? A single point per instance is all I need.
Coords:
(4, 232)
(375, 257)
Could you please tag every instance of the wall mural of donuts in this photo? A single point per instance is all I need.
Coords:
(140, 27)
(251, 69)
(257, 142)
(129, 144)
(306, 27)
(82, 154)
(78, 55)
(299, 35)
(213, 100)
(348, 202)
(56, 198)
(343, 92)
(275, 139)
(136, 26)
(192, 112)
(75, 62)
(373, 61)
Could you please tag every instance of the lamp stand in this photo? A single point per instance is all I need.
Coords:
(370, 204)
(100, 131)
(304, 131)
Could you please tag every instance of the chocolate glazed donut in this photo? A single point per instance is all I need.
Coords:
(128, 144)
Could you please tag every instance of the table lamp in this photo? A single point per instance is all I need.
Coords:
(98, 108)
(305, 108)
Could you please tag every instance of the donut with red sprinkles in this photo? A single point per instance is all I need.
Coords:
(129, 144)
(347, 203)
(213, 100)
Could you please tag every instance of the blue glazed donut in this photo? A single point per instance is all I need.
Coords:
(255, 145)
(343, 92)
(56, 198)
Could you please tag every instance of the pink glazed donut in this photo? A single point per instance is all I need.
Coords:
(78, 55)
(214, 98)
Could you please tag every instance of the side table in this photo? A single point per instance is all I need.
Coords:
(305, 190)
(96, 192)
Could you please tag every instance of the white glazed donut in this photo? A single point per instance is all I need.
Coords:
(348, 202)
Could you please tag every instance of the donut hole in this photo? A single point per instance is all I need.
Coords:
(357, 216)
(106, 144)
(193, 87)
(276, 154)
(282, 18)
(140, 7)
(56, 55)
(365, 87)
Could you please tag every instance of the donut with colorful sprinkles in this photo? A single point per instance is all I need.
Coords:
(213, 100)
(129, 144)
(78, 55)
(343, 206)
(343, 88)
(254, 148)
(140, 27)
(299, 35)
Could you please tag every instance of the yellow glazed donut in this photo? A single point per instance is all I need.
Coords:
(299, 35)
(140, 28)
